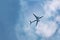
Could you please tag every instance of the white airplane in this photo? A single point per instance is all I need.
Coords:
(37, 19)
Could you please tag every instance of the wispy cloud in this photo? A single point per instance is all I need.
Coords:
(48, 28)
(23, 5)
(58, 19)
(50, 7)
(45, 28)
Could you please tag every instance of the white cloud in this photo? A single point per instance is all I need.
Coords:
(57, 18)
(54, 5)
(46, 29)
(50, 7)
(49, 28)
(23, 5)
(42, 29)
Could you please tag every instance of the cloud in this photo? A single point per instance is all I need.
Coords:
(50, 7)
(57, 18)
(23, 5)
(46, 29)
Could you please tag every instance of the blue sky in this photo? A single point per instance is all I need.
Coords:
(16, 14)
(8, 18)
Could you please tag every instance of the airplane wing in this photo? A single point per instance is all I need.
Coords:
(36, 23)
(35, 16)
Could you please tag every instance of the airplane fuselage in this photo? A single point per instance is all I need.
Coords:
(37, 19)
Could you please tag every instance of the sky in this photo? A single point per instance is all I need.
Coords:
(8, 18)
(15, 17)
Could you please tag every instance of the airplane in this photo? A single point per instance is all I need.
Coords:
(37, 19)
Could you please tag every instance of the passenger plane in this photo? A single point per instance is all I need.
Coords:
(37, 19)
